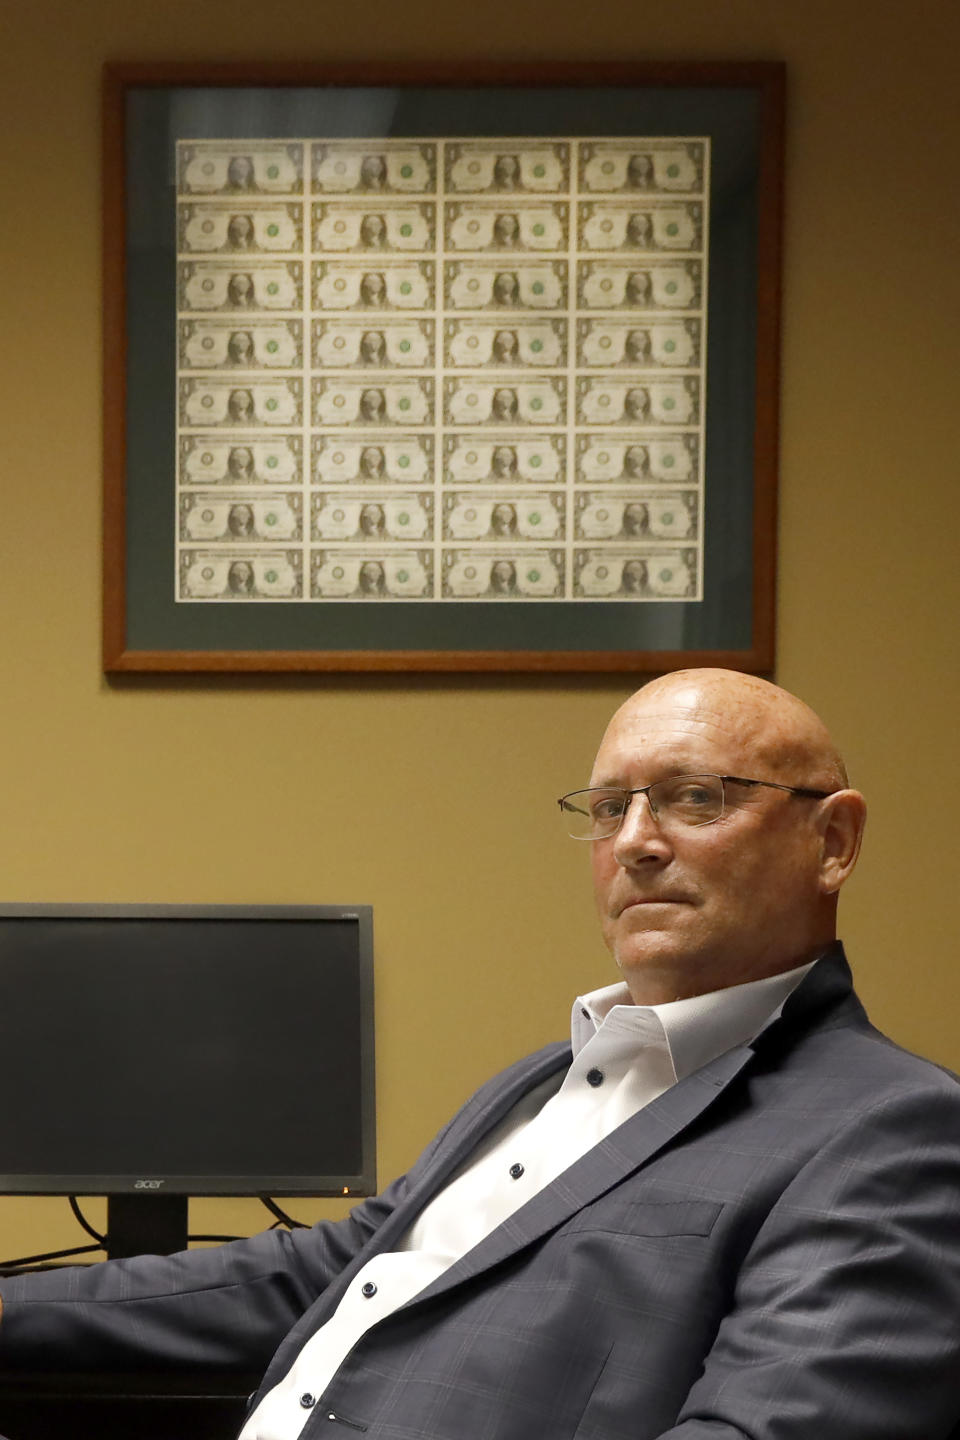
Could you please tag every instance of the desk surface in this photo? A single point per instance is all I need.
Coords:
(165, 1405)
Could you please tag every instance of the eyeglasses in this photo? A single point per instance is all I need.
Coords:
(675, 803)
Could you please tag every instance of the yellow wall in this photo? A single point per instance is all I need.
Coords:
(386, 791)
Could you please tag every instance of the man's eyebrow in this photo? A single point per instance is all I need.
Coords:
(669, 772)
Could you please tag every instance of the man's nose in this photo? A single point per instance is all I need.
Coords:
(640, 835)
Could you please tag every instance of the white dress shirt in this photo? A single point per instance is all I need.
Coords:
(625, 1055)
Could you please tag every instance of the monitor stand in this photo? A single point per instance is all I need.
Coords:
(145, 1225)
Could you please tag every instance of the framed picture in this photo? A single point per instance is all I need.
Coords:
(438, 369)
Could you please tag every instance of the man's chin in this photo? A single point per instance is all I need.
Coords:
(641, 950)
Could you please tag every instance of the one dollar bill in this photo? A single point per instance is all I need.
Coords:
(531, 517)
(219, 575)
(372, 575)
(343, 517)
(272, 518)
(503, 574)
(614, 515)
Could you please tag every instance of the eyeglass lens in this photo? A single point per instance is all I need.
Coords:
(681, 800)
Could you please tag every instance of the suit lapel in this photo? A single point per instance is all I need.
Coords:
(602, 1168)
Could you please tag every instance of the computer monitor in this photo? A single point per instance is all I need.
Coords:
(153, 1052)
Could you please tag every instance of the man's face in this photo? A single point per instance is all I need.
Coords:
(505, 170)
(635, 404)
(638, 169)
(503, 460)
(505, 287)
(504, 404)
(638, 228)
(372, 229)
(372, 346)
(241, 345)
(637, 344)
(240, 229)
(504, 345)
(634, 460)
(372, 171)
(371, 460)
(371, 404)
(240, 170)
(506, 229)
(634, 576)
(373, 288)
(688, 910)
(638, 287)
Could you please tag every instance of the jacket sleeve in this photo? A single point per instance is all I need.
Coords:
(846, 1315)
(226, 1307)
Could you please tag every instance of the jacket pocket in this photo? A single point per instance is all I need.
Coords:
(647, 1218)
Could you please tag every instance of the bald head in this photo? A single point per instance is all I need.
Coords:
(780, 730)
(688, 907)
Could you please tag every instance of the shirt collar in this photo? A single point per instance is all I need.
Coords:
(697, 1029)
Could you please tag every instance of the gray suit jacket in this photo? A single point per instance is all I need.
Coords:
(769, 1251)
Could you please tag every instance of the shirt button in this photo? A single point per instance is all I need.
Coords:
(368, 1289)
(516, 1171)
(307, 1400)
(594, 1077)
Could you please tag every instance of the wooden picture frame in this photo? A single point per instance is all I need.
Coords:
(536, 214)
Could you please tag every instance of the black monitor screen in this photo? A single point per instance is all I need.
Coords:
(221, 1050)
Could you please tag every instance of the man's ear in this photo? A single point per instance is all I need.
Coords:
(841, 821)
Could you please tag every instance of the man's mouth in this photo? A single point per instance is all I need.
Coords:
(644, 900)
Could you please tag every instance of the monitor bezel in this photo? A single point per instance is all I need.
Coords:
(224, 1186)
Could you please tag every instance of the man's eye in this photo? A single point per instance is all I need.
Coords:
(608, 807)
(688, 795)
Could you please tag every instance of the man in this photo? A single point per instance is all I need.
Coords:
(372, 520)
(240, 349)
(240, 522)
(732, 1215)
(372, 462)
(506, 288)
(506, 232)
(373, 407)
(503, 520)
(373, 348)
(373, 232)
(505, 349)
(504, 406)
(636, 518)
(636, 403)
(503, 462)
(634, 577)
(372, 580)
(240, 233)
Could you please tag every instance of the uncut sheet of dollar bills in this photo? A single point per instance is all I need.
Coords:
(441, 370)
